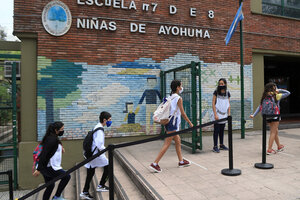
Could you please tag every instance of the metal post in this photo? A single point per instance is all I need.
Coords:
(242, 79)
(263, 164)
(200, 106)
(162, 94)
(14, 120)
(230, 171)
(194, 105)
(111, 171)
(10, 182)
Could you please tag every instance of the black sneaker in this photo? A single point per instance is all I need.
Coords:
(216, 150)
(223, 147)
(86, 195)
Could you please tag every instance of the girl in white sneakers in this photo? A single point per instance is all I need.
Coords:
(176, 106)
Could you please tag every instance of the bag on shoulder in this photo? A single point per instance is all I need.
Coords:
(269, 106)
(162, 114)
(87, 143)
(36, 153)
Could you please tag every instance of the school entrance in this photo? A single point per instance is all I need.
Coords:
(284, 71)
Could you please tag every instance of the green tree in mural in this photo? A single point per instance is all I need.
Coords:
(57, 81)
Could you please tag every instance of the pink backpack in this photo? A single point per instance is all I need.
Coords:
(36, 153)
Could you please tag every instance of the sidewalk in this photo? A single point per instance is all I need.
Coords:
(203, 179)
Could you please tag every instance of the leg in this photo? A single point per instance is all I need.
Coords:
(89, 175)
(49, 189)
(273, 128)
(63, 183)
(164, 147)
(216, 133)
(178, 147)
(104, 176)
(276, 135)
(221, 133)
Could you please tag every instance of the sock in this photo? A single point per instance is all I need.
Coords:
(181, 162)
(154, 164)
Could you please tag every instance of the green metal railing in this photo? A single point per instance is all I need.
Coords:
(8, 121)
(190, 77)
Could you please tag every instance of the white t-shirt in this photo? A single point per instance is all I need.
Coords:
(55, 160)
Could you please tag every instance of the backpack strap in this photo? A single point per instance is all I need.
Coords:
(97, 129)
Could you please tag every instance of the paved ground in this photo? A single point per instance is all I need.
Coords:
(203, 179)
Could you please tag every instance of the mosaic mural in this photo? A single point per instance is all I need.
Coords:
(76, 93)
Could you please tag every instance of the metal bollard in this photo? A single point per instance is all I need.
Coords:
(263, 164)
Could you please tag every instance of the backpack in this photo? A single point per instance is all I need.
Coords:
(162, 114)
(87, 143)
(269, 106)
(36, 153)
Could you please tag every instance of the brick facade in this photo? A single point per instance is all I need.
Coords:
(112, 53)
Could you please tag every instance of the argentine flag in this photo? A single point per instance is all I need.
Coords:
(238, 17)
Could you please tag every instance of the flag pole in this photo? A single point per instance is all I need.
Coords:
(242, 78)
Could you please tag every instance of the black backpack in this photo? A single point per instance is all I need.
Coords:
(87, 143)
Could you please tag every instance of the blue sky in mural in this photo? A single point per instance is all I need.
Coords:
(57, 13)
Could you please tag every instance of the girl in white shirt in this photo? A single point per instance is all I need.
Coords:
(171, 127)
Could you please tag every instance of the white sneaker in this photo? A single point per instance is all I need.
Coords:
(86, 195)
(103, 188)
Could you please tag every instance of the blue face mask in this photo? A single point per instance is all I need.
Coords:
(108, 123)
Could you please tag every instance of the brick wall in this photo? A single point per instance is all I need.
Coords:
(122, 61)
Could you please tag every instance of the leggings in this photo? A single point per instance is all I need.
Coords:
(218, 131)
(49, 173)
(89, 175)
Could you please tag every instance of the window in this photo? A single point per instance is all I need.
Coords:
(8, 66)
(288, 8)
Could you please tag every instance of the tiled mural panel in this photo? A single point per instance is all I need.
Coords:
(76, 93)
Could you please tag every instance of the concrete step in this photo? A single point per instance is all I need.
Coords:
(136, 171)
(125, 187)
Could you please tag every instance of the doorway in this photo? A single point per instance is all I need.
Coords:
(285, 72)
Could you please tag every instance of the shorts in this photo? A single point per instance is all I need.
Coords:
(275, 119)
(170, 126)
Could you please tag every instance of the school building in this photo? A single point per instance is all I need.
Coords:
(81, 57)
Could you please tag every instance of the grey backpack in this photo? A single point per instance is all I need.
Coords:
(269, 106)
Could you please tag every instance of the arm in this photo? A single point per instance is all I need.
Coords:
(214, 107)
(282, 94)
(256, 112)
(185, 117)
(142, 98)
(158, 94)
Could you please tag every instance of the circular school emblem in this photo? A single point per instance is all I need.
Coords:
(56, 18)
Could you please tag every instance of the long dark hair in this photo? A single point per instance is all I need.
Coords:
(269, 87)
(52, 128)
(218, 88)
(174, 84)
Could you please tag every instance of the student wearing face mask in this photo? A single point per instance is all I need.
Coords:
(100, 161)
(221, 109)
(50, 160)
(177, 111)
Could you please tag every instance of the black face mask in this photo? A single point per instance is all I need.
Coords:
(60, 133)
(222, 87)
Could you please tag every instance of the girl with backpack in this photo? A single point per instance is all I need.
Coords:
(176, 111)
(50, 160)
(221, 109)
(272, 95)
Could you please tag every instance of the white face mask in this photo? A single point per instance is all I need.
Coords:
(180, 91)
